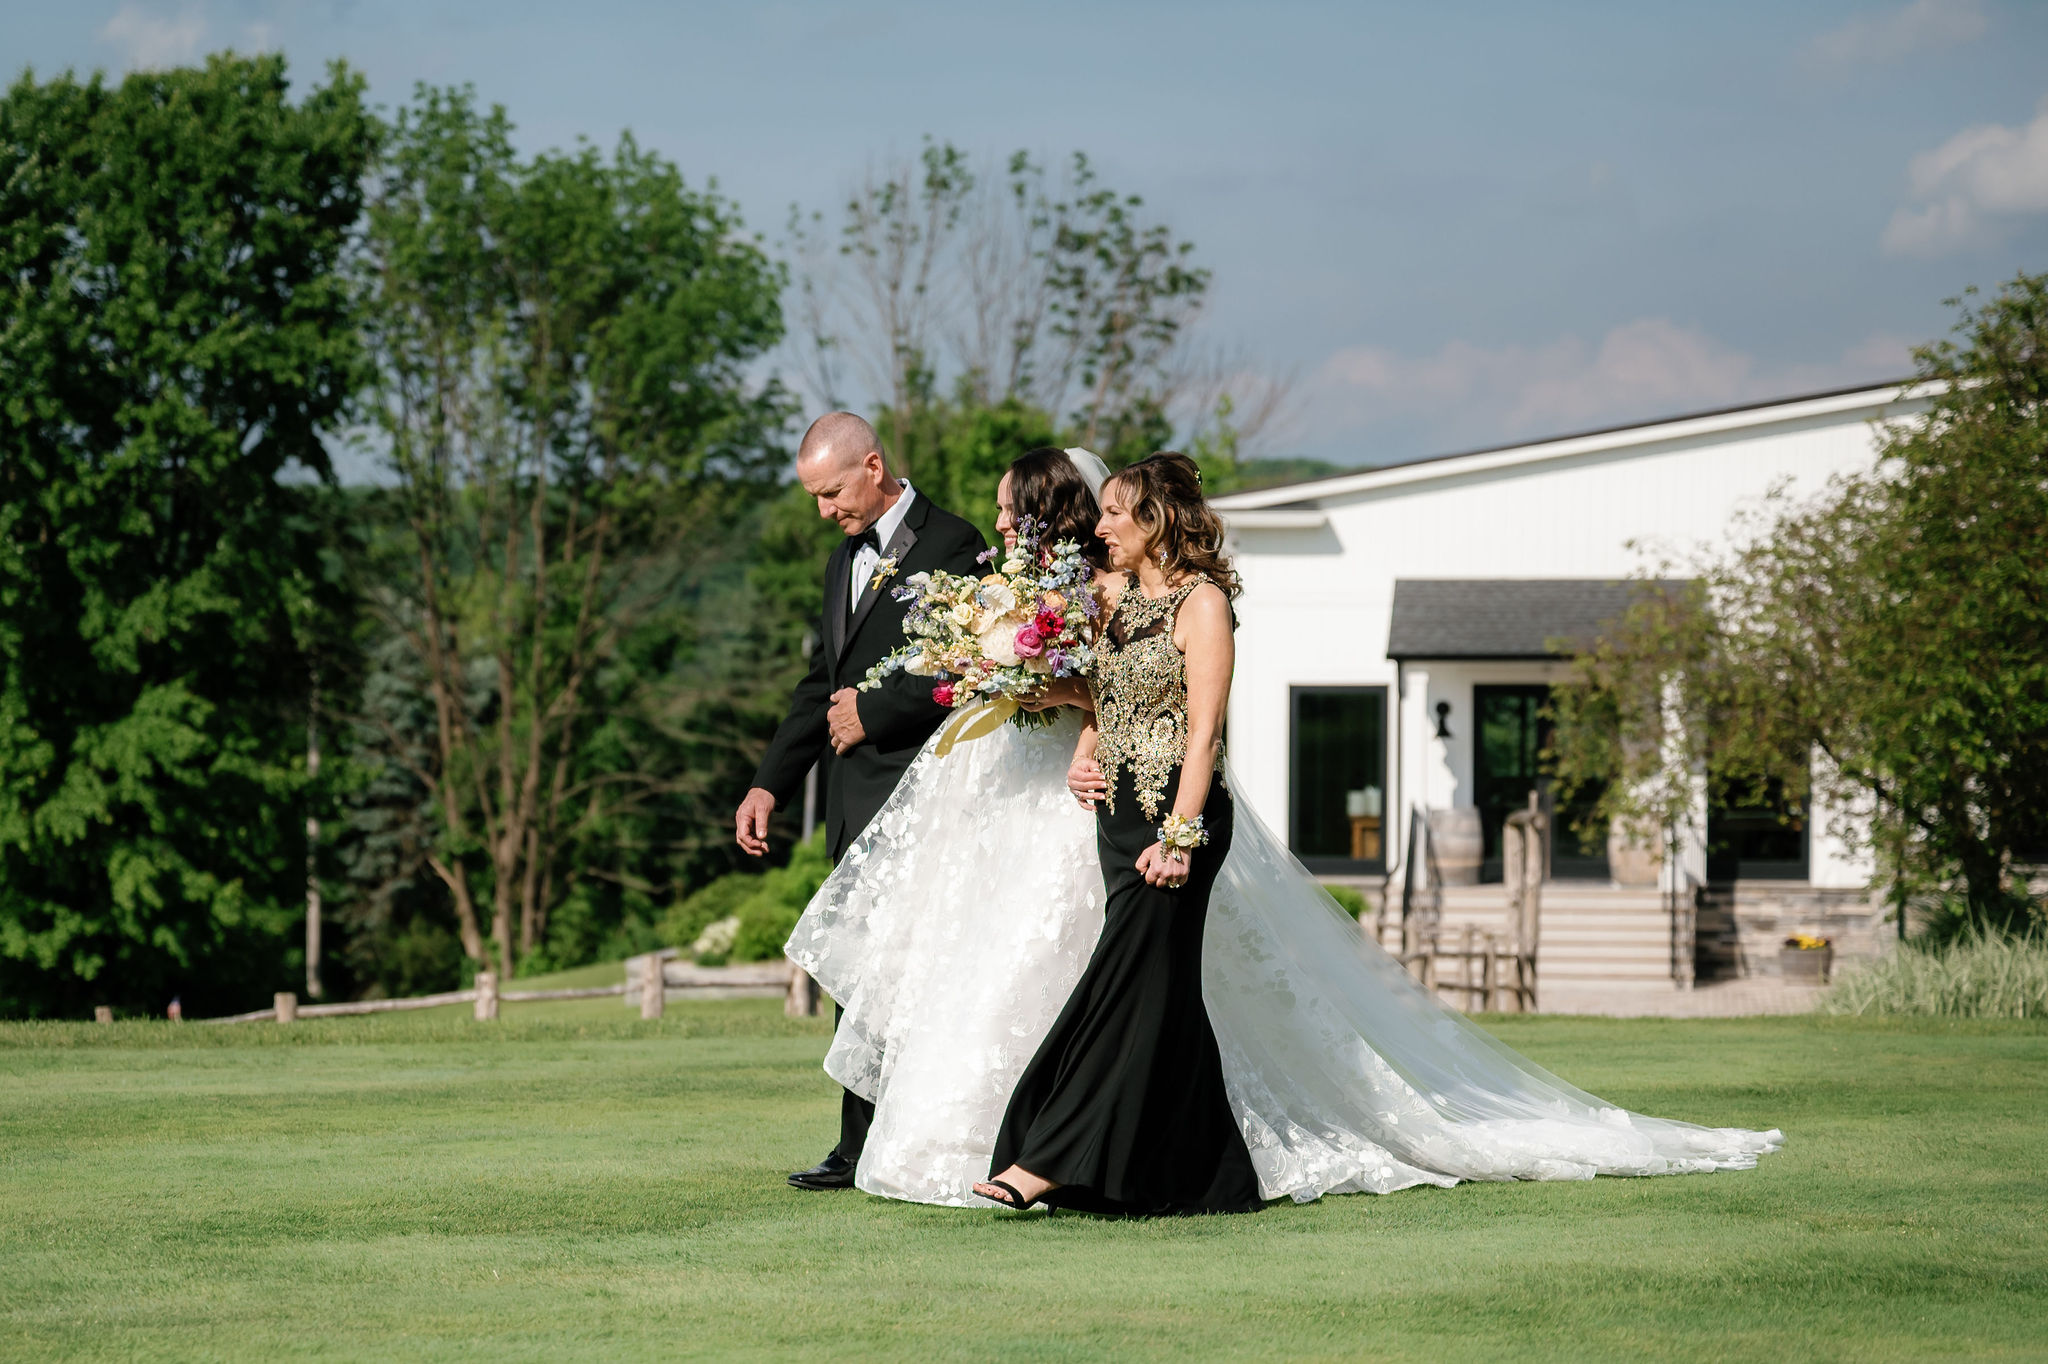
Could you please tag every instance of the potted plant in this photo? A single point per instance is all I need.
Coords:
(1807, 959)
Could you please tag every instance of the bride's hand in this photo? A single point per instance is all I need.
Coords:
(1084, 779)
(1161, 867)
(1058, 691)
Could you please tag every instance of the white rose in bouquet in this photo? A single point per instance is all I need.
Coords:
(996, 601)
(999, 644)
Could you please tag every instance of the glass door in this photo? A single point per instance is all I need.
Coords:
(1512, 732)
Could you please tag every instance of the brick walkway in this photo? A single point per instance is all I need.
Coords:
(1718, 999)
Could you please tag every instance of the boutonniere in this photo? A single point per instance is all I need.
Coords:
(884, 571)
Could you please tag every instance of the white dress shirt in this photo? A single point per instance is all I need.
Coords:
(864, 558)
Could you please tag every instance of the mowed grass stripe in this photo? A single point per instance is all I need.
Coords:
(579, 1184)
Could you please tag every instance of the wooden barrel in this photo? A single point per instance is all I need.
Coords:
(1458, 844)
(1635, 857)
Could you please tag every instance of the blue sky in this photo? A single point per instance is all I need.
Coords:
(1449, 224)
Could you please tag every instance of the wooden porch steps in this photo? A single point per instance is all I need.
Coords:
(1590, 934)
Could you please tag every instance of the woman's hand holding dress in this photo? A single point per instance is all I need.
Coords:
(1084, 774)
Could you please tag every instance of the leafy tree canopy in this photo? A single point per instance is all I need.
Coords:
(176, 333)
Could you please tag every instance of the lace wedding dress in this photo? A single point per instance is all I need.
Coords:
(954, 929)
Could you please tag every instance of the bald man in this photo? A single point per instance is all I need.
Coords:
(864, 739)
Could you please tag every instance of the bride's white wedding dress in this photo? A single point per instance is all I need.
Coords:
(954, 929)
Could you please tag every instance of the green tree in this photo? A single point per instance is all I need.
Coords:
(1886, 641)
(176, 335)
(560, 349)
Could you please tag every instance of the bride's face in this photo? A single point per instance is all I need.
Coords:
(1006, 511)
(1124, 537)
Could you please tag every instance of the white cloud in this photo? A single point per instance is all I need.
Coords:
(1893, 36)
(1466, 394)
(1961, 190)
(149, 41)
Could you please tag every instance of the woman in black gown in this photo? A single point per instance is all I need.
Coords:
(1123, 1109)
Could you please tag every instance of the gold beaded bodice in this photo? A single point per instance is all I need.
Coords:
(1140, 684)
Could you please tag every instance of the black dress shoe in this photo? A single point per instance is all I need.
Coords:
(833, 1172)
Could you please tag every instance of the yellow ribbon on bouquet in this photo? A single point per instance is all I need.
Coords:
(972, 722)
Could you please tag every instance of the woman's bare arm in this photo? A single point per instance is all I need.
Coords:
(1204, 638)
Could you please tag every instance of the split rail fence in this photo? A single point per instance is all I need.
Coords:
(800, 994)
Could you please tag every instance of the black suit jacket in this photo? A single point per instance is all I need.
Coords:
(900, 714)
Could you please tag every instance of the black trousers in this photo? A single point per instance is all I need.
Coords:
(856, 1115)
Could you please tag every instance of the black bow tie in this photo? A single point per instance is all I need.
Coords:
(869, 537)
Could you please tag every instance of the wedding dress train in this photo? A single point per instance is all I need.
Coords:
(955, 928)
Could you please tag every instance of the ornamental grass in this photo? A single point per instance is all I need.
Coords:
(1976, 975)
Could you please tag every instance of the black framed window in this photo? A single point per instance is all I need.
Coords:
(1337, 771)
(1757, 836)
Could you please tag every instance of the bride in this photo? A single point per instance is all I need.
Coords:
(954, 930)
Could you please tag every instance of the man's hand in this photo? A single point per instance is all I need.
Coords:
(843, 720)
(750, 821)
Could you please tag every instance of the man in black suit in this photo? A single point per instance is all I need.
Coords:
(865, 740)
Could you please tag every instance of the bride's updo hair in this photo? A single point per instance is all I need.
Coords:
(1045, 486)
(1163, 493)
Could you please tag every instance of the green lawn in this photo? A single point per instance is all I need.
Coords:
(573, 1183)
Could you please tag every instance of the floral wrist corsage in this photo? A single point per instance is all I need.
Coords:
(1178, 833)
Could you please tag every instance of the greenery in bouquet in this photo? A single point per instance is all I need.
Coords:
(1002, 637)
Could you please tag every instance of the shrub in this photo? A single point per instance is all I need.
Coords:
(767, 918)
(1940, 919)
(767, 904)
(1974, 975)
(1349, 898)
(715, 900)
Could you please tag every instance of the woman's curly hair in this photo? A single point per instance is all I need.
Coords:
(1163, 493)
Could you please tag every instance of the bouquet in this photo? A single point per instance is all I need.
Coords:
(995, 641)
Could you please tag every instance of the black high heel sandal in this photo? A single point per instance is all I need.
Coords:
(1016, 1202)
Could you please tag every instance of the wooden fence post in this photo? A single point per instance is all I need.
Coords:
(102, 1013)
(487, 996)
(653, 988)
(287, 1006)
(802, 999)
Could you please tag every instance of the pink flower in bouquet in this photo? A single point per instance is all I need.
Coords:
(1030, 643)
(943, 693)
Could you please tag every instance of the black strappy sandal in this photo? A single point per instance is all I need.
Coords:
(1016, 1202)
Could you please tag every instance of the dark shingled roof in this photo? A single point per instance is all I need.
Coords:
(1504, 617)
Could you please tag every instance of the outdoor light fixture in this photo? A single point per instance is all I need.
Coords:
(1443, 711)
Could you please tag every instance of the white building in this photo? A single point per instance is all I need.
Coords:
(1393, 616)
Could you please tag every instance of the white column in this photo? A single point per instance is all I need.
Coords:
(1412, 784)
(1838, 851)
(1689, 866)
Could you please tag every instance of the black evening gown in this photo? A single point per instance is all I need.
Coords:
(1124, 1104)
